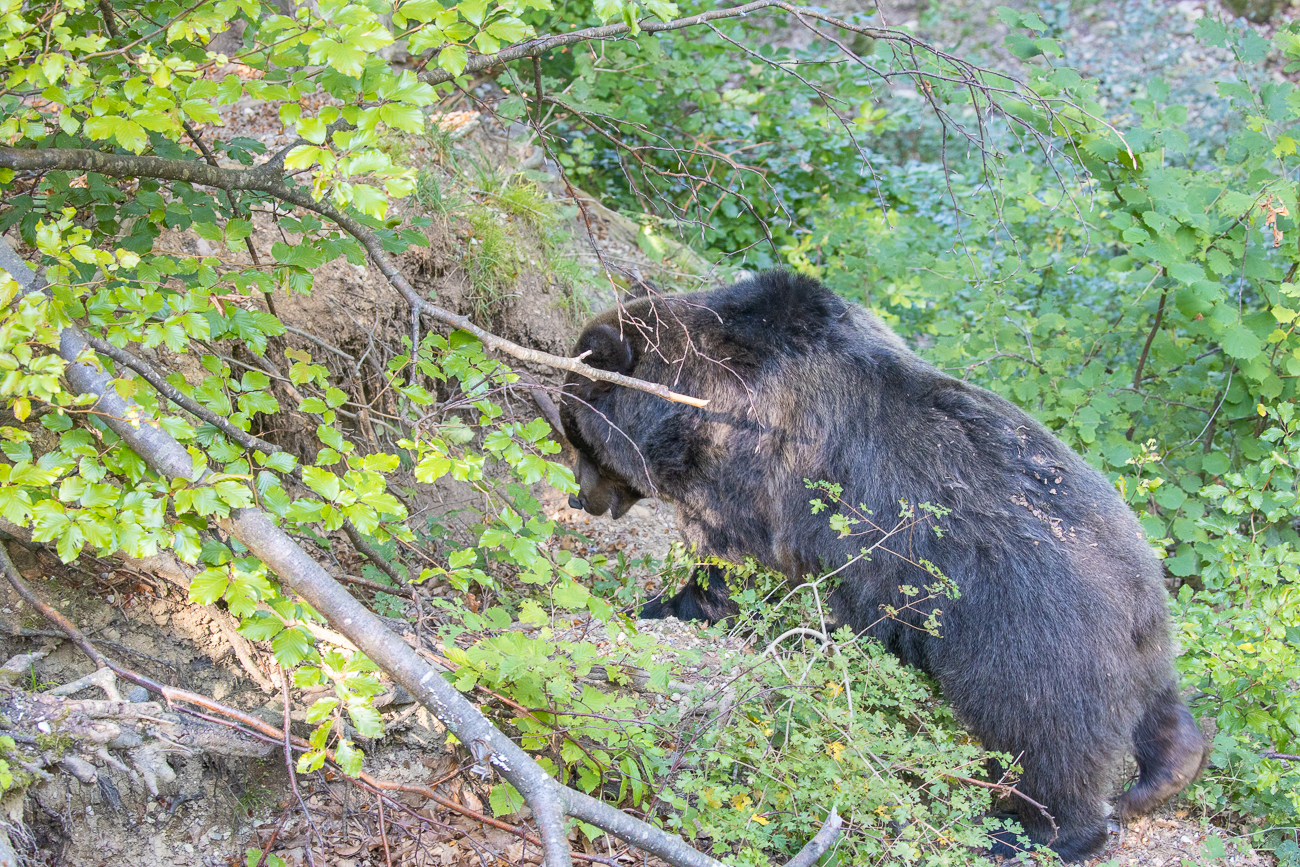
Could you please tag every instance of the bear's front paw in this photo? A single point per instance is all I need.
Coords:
(1004, 844)
(656, 609)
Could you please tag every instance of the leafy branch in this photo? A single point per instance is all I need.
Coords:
(267, 178)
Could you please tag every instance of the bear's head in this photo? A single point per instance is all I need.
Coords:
(586, 411)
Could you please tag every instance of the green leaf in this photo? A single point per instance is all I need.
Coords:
(473, 10)
(1184, 273)
(505, 800)
(345, 57)
(312, 761)
(369, 200)
(261, 626)
(1214, 848)
(432, 467)
(1240, 342)
(321, 709)
(662, 9)
(127, 133)
(322, 482)
(291, 646)
(404, 117)
(531, 612)
(365, 717)
(209, 586)
(419, 10)
(282, 462)
(607, 10)
(571, 595)
(453, 58)
(510, 30)
(348, 758)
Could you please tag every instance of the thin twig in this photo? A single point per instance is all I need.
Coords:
(289, 764)
(383, 832)
(1155, 327)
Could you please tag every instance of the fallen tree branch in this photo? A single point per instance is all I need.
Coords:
(550, 801)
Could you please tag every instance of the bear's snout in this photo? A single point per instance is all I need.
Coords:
(577, 502)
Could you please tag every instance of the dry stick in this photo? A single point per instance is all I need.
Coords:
(275, 835)
(288, 758)
(377, 587)
(550, 801)
(383, 832)
(267, 178)
(1000, 788)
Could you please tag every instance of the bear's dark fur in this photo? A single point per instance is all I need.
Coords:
(1057, 649)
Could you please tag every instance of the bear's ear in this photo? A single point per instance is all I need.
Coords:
(610, 349)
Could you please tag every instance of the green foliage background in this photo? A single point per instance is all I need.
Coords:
(1134, 288)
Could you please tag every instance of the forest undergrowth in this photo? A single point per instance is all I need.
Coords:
(325, 354)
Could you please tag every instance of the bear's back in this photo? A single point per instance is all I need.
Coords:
(848, 402)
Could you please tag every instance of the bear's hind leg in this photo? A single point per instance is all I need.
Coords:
(1171, 752)
(710, 600)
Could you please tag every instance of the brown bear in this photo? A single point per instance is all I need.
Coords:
(1057, 648)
